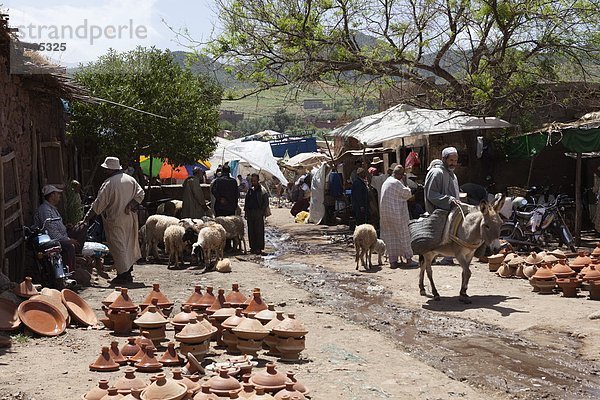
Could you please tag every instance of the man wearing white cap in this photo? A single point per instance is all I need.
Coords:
(117, 200)
(56, 229)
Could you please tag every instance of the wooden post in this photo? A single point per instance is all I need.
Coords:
(578, 214)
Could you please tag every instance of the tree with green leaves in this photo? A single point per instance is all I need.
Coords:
(176, 112)
(479, 56)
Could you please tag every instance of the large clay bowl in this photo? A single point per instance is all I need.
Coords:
(42, 318)
(78, 308)
(9, 317)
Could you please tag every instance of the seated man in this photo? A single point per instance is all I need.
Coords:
(56, 229)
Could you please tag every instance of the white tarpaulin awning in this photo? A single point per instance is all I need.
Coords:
(403, 120)
(311, 159)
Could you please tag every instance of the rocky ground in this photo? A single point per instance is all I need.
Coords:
(371, 336)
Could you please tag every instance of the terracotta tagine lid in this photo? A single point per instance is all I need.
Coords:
(290, 392)
(149, 363)
(235, 298)
(191, 384)
(170, 358)
(265, 316)
(290, 327)
(115, 353)
(558, 253)
(155, 293)
(195, 332)
(270, 379)
(256, 304)
(234, 320)
(42, 318)
(194, 298)
(205, 393)
(218, 303)
(275, 321)
(112, 296)
(223, 383)
(58, 304)
(79, 309)
(9, 315)
(516, 261)
(562, 270)
(98, 392)
(223, 313)
(123, 302)
(582, 260)
(182, 318)
(261, 394)
(128, 382)
(163, 388)
(593, 274)
(534, 258)
(250, 328)
(152, 318)
(130, 348)
(544, 273)
(26, 288)
(104, 362)
(297, 385)
(207, 299)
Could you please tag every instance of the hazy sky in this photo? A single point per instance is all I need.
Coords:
(81, 30)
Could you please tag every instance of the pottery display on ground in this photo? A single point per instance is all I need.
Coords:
(79, 309)
(569, 286)
(223, 383)
(129, 381)
(270, 379)
(9, 315)
(98, 392)
(544, 280)
(164, 389)
(495, 261)
(115, 353)
(42, 318)
(235, 297)
(25, 289)
(104, 362)
(290, 392)
(181, 319)
(148, 363)
(205, 393)
(256, 304)
(164, 303)
(170, 358)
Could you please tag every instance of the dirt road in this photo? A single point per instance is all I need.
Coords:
(371, 336)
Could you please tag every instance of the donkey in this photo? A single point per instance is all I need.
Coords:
(477, 228)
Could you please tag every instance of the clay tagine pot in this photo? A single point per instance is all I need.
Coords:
(164, 303)
(104, 362)
(129, 381)
(297, 385)
(149, 363)
(218, 303)
(190, 382)
(170, 358)
(115, 353)
(183, 318)
(164, 389)
(26, 289)
(98, 392)
(256, 304)
(222, 384)
(195, 332)
(270, 379)
(267, 315)
(569, 286)
(235, 298)
(205, 393)
(290, 392)
(130, 348)
(495, 261)
(562, 270)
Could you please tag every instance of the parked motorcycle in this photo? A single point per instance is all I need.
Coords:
(48, 260)
(536, 226)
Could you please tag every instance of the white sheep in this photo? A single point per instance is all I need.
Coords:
(211, 239)
(234, 227)
(174, 244)
(380, 248)
(155, 231)
(364, 238)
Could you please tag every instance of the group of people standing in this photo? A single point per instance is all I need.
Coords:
(392, 193)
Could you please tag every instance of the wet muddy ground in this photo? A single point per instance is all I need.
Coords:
(529, 364)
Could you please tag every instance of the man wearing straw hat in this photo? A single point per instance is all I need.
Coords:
(117, 201)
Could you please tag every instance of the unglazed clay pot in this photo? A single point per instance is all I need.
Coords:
(190, 382)
(148, 363)
(235, 298)
(164, 389)
(170, 358)
(130, 348)
(115, 353)
(112, 394)
(290, 392)
(98, 392)
(222, 384)
(270, 379)
(26, 289)
(495, 261)
(205, 393)
(126, 383)
(256, 304)
(569, 286)
(104, 362)
(183, 318)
